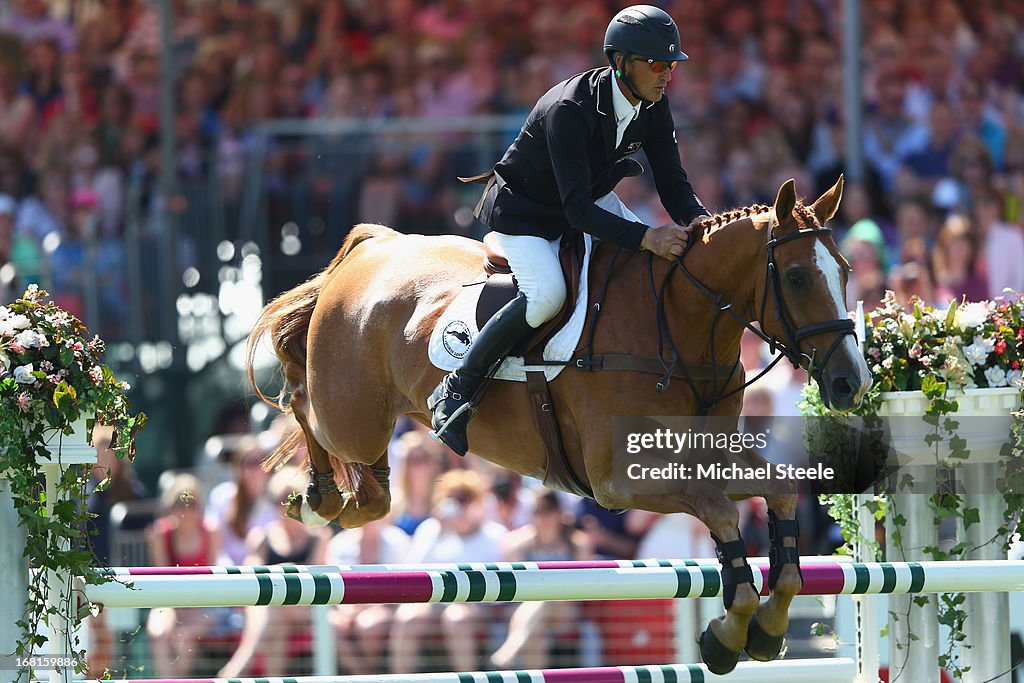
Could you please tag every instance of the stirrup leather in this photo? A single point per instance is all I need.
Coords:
(733, 576)
(779, 554)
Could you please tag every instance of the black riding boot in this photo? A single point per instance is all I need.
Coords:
(452, 402)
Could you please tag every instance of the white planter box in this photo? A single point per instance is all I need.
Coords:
(984, 416)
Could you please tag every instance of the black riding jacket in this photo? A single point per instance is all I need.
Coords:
(565, 158)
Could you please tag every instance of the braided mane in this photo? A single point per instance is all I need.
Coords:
(805, 215)
(720, 219)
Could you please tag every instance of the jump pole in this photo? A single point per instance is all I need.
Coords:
(840, 670)
(354, 587)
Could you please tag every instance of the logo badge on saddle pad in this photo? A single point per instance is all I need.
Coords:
(457, 338)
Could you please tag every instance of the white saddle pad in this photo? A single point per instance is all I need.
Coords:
(456, 330)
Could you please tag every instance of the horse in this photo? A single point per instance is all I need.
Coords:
(352, 346)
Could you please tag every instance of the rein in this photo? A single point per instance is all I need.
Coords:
(788, 348)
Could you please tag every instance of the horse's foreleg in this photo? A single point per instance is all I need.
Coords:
(768, 627)
(725, 637)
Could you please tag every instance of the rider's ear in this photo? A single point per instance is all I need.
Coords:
(785, 201)
(828, 203)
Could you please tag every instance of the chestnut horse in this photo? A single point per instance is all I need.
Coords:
(352, 342)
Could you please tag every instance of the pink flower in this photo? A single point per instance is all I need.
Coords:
(1000, 346)
(17, 348)
(46, 366)
(96, 375)
(23, 401)
(1015, 365)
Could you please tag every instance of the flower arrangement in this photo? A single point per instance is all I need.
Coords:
(968, 346)
(51, 376)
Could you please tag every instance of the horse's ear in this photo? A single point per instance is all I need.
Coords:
(785, 201)
(828, 203)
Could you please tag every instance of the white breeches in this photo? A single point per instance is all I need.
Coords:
(534, 262)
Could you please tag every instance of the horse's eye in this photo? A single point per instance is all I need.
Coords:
(796, 277)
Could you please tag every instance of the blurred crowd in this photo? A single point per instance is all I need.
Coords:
(938, 212)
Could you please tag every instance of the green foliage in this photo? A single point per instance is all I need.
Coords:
(970, 345)
(51, 377)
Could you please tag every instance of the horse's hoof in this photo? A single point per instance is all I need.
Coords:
(760, 645)
(717, 657)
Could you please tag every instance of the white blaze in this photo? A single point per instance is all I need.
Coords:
(829, 267)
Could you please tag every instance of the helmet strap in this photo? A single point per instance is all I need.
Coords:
(621, 75)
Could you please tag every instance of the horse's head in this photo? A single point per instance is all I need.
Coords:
(803, 304)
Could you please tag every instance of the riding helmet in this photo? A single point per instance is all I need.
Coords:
(646, 31)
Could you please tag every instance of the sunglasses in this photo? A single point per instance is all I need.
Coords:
(657, 66)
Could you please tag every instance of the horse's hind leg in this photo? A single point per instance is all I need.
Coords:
(768, 627)
(323, 501)
(365, 494)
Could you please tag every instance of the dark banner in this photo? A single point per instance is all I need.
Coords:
(766, 455)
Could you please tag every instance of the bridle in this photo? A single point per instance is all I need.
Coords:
(788, 347)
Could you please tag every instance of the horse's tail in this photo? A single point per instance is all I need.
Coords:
(286, 321)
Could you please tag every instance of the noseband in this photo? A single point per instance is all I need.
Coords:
(788, 347)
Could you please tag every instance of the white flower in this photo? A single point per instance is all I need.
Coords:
(972, 314)
(978, 352)
(23, 374)
(1015, 378)
(995, 376)
(30, 339)
(9, 325)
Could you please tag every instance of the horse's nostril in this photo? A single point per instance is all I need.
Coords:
(841, 387)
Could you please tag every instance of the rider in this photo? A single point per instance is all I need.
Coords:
(559, 174)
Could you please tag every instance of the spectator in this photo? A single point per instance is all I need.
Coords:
(362, 630)
(21, 261)
(458, 532)
(509, 502)
(179, 538)
(240, 505)
(283, 541)
(925, 167)
(955, 262)
(1002, 250)
(122, 486)
(17, 108)
(890, 134)
(421, 461)
(551, 536)
(606, 532)
(31, 20)
(865, 249)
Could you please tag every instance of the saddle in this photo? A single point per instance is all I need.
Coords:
(501, 287)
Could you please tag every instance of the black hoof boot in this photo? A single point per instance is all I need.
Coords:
(760, 645)
(717, 657)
